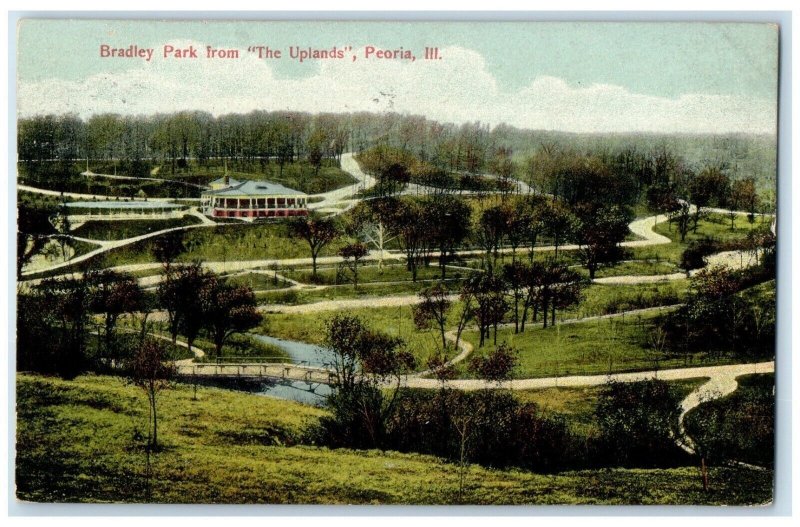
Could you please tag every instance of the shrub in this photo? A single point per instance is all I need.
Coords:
(637, 423)
(716, 427)
(500, 430)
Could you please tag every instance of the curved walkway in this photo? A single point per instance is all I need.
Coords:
(75, 195)
(332, 198)
(113, 244)
(720, 378)
(89, 173)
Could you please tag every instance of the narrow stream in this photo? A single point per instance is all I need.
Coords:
(300, 391)
(309, 354)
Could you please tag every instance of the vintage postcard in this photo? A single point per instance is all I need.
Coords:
(407, 263)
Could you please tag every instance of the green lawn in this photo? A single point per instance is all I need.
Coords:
(258, 281)
(579, 403)
(310, 327)
(716, 226)
(119, 230)
(232, 242)
(635, 267)
(395, 321)
(81, 441)
(371, 272)
(590, 348)
(236, 348)
(713, 225)
(346, 291)
(299, 175)
(604, 299)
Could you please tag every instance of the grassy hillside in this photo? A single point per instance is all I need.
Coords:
(81, 441)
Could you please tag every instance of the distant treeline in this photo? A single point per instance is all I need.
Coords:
(186, 138)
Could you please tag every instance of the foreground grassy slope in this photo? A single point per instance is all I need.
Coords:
(81, 441)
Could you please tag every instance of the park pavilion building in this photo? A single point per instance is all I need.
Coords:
(251, 200)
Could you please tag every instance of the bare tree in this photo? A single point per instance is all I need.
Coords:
(434, 307)
(150, 371)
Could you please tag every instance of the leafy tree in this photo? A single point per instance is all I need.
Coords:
(502, 166)
(524, 224)
(449, 221)
(37, 332)
(589, 179)
(744, 197)
(490, 303)
(114, 294)
(711, 186)
(229, 309)
(183, 294)
(534, 288)
(497, 366)
(682, 217)
(761, 240)
(197, 293)
(365, 362)
(516, 275)
(317, 233)
(65, 304)
(599, 235)
(317, 143)
(414, 233)
(492, 228)
(550, 286)
(694, 256)
(638, 422)
(167, 247)
(559, 223)
(352, 254)
(169, 293)
(441, 368)
(390, 166)
(662, 199)
(565, 286)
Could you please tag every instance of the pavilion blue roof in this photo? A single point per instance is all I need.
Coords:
(255, 188)
(230, 182)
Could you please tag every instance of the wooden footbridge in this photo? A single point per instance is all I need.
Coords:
(262, 370)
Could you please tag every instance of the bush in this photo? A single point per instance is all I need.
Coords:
(500, 431)
(694, 256)
(638, 422)
(721, 317)
(716, 427)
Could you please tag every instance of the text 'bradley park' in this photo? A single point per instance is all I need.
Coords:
(296, 53)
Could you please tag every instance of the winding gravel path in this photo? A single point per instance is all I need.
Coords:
(334, 197)
(722, 379)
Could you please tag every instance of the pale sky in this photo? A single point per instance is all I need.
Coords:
(576, 76)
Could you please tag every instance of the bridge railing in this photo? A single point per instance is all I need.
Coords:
(293, 371)
(269, 359)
